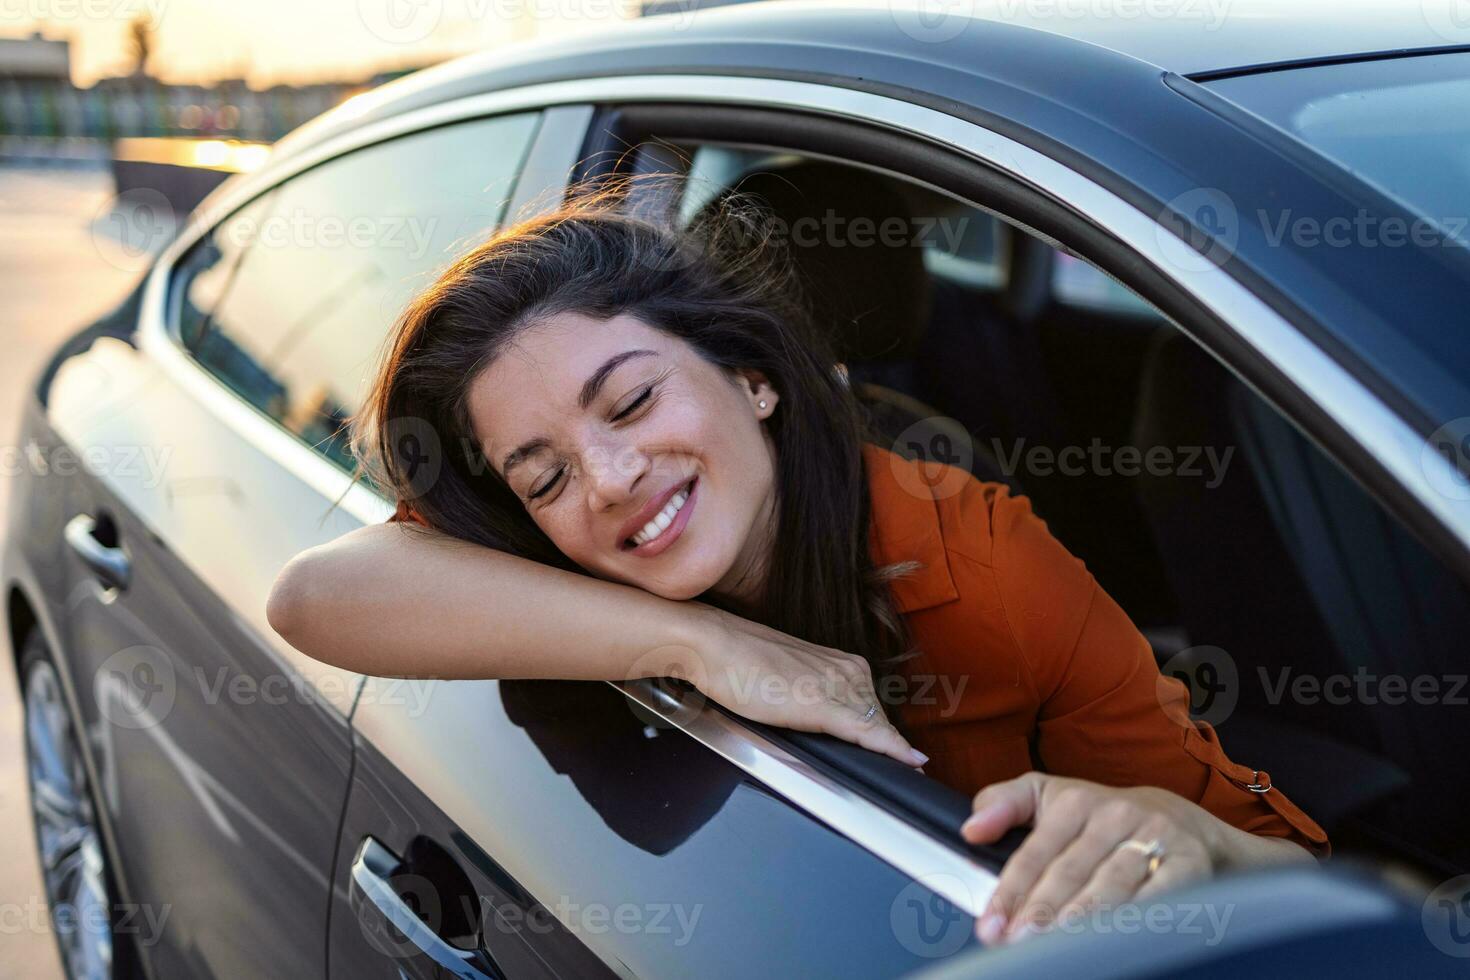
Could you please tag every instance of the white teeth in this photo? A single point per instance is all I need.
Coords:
(661, 520)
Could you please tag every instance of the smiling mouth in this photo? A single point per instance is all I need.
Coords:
(661, 521)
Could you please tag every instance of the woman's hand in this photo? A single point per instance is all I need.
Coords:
(777, 679)
(1072, 863)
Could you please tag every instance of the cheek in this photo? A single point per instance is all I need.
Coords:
(564, 523)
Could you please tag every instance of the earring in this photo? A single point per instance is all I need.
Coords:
(762, 403)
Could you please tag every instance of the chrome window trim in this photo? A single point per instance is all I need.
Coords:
(1364, 417)
(939, 867)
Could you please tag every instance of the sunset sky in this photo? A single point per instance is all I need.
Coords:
(270, 41)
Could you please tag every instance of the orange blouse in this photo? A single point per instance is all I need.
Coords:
(1029, 664)
(1026, 663)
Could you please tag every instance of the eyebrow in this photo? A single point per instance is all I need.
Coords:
(599, 377)
(590, 390)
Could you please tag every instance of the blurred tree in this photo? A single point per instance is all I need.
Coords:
(140, 42)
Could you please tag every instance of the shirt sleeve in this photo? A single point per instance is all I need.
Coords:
(1107, 714)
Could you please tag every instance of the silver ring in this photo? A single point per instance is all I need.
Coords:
(872, 710)
(1152, 850)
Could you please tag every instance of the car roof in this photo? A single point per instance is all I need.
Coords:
(1190, 37)
(1105, 101)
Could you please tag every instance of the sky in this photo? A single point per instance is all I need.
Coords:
(270, 41)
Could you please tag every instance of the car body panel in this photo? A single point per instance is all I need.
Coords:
(220, 753)
(606, 825)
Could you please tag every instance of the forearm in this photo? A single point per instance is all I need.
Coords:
(390, 601)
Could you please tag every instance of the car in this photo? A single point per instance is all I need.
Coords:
(1192, 288)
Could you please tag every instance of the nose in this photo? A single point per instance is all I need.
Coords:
(611, 474)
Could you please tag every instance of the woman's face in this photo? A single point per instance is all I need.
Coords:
(640, 460)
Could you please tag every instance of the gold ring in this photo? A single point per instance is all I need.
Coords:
(1152, 850)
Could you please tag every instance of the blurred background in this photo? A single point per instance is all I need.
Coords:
(109, 108)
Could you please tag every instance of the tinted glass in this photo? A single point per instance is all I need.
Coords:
(1398, 123)
(343, 248)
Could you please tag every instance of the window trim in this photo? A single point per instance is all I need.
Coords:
(1223, 315)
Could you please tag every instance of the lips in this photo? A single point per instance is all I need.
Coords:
(651, 510)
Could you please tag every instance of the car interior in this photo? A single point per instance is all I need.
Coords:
(977, 338)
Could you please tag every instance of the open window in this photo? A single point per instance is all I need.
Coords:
(1302, 612)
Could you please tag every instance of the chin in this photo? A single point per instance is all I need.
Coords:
(679, 584)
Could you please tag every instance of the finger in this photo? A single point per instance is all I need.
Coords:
(1054, 831)
(1173, 871)
(876, 734)
(1000, 806)
(1116, 880)
(1065, 876)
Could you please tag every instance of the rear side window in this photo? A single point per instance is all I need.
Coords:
(296, 326)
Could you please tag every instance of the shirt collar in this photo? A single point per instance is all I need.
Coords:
(905, 527)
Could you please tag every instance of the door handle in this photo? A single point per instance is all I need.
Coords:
(371, 870)
(110, 564)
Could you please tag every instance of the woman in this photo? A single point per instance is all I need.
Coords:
(593, 418)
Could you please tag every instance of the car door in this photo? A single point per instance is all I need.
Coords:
(224, 754)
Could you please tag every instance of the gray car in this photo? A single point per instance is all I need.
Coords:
(1198, 291)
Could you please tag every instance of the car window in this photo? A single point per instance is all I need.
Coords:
(201, 276)
(1320, 637)
(1398, 123)
(1077, 282)
(340, 251)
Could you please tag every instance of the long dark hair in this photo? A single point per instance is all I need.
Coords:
(722, 283)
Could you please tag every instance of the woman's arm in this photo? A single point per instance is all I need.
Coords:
(398, 602)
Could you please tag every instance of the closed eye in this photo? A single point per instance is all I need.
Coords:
(542, 488)
(643, 396)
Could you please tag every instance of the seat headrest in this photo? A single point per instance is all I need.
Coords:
(866, 281)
